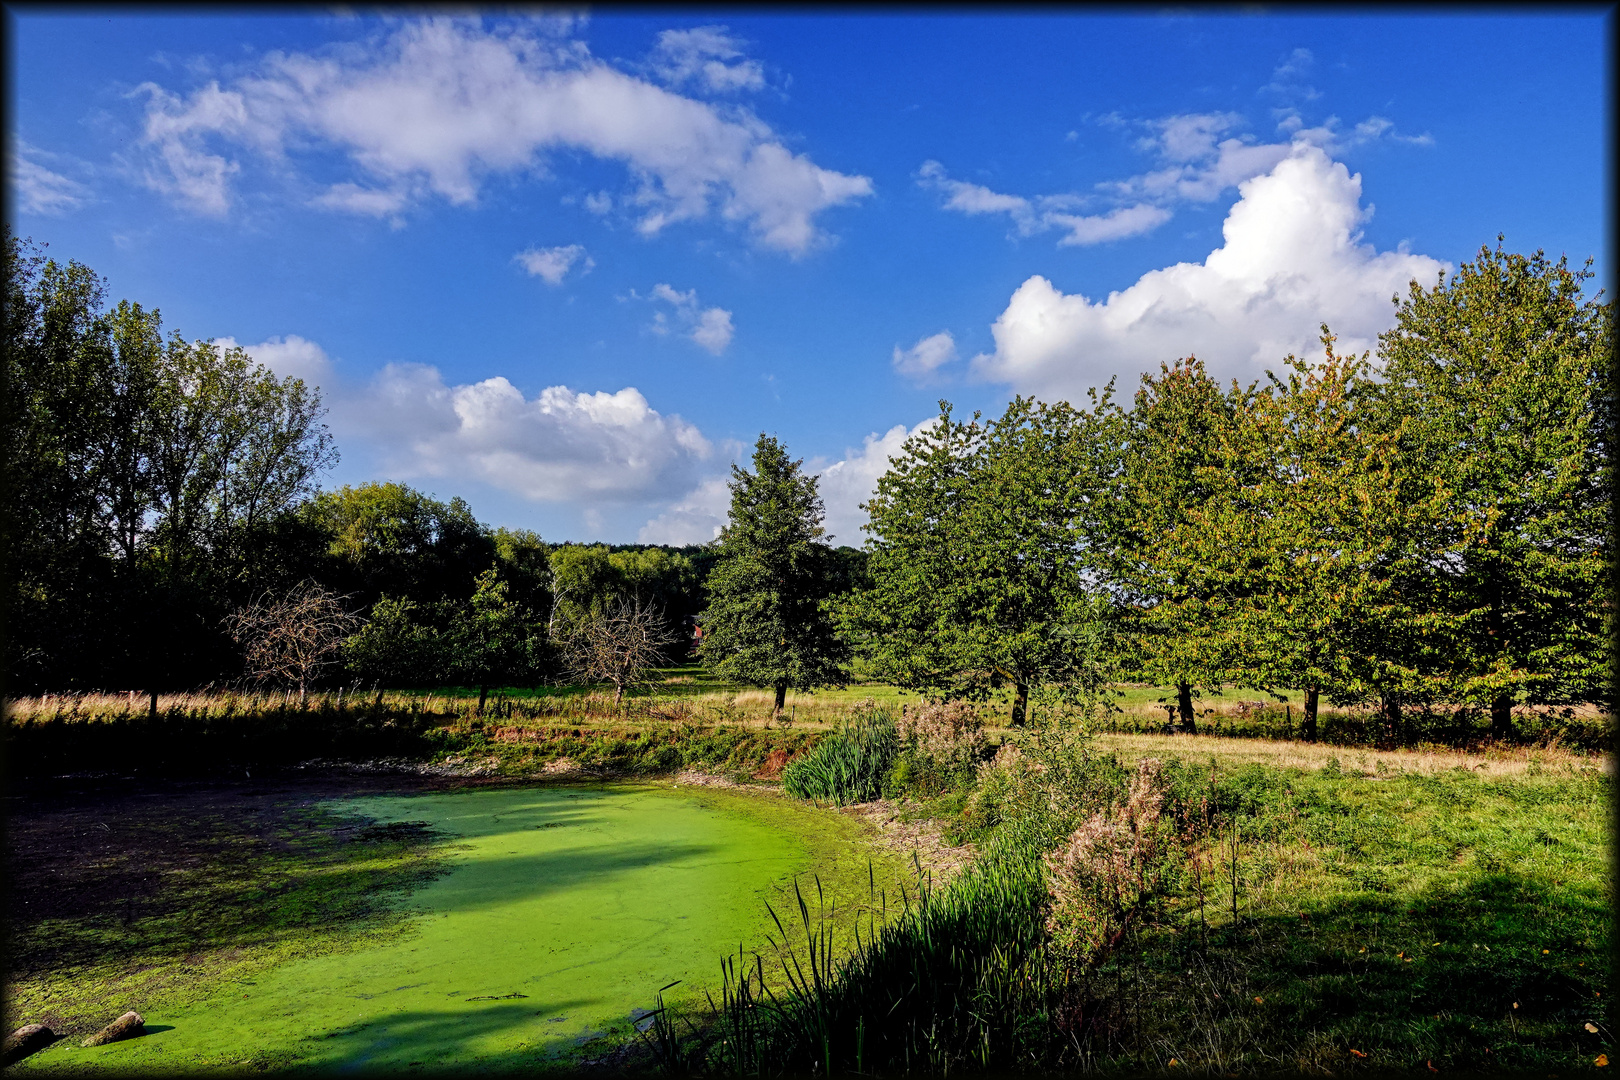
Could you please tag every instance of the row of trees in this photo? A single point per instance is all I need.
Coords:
(1433, 527)
(1429, 527)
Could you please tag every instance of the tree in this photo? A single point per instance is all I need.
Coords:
(1170, 451)
(1499, 380)
(620, 644)
(389, 538)
(764, 625)
(1302, 566)
(488, 638)
(979, 551)
(134, 466)
(394, 648)
(292, 639)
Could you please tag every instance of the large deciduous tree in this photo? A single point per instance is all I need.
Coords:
(1304, 563)
(137, 466)
(1171, 452)
(979, 553)
(765, 624)
(1500, 377)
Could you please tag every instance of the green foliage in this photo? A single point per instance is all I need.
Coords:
(980, 542)
(764, 625)
(139, 469)
(390, 539)
(1499, 381)
(588, 579)
(849, 765)
(489, 641)
(393, 648)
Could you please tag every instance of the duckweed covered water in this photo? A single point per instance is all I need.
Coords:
(565, 911)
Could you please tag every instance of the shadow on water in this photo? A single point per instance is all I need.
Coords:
(451, 1038)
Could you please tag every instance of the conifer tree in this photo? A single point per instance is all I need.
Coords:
(764, 625)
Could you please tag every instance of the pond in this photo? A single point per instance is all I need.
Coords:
(565, 910)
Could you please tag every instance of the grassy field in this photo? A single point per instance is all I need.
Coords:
(1390, 910)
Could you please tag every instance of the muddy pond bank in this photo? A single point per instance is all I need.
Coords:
(394, 922)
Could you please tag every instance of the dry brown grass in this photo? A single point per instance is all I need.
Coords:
(1494, 761)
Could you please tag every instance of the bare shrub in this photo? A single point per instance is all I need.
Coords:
(1109, 868)
(619, 645)
(944, 732)
(292, 640)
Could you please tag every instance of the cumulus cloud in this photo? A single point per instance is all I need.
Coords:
(924, 358)
(708, 56)
(709, 328)
(700, 515)
(40, 190)
(552, 264)
(1292, 259)
(436, 105)
(696, 518)
(560, 446)
(846, 484)
(1044, 212)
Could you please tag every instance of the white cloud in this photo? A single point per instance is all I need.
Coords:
(713, 331)
(1292, 259)
(369, 202)
(552, 264)
(438, 104)
(697, 518)
(925, 357)
(846, 484)
(40, 190)
(1045, 212)
(1201, 158)
(560, 446)
(701, 56)
(293, 355)
(700, 515)
(709, 328)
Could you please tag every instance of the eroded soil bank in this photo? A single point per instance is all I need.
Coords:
(542, 927)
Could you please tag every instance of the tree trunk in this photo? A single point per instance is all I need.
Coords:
(1184, 707)
(781, 697)
(152, 712)
(1020, 710)
(483, 695)
(1502, 716)
(1312, 696)
(618, 694)
(1392, 717)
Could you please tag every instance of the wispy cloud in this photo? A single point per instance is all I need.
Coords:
(709, 328)
(40, 190)
(552, 264)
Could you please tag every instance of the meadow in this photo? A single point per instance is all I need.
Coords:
(1301, 906)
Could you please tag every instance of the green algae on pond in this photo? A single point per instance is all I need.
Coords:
(565, 911)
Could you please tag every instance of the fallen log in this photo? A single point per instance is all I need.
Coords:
(28, 1039)
(125, 1027)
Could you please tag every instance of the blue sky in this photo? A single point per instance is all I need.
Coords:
(570, 268)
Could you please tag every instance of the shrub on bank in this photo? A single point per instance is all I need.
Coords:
(850, 764)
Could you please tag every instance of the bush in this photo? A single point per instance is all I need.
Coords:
(941, 744)
(849, 765)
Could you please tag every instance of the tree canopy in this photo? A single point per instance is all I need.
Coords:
(764, 625)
